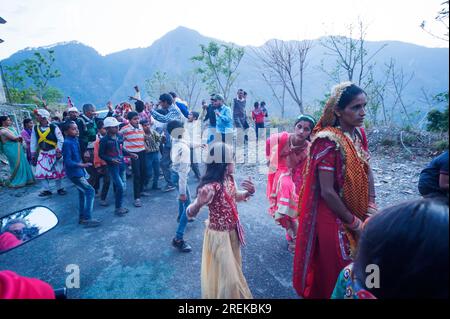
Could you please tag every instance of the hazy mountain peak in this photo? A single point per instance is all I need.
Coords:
(180, 35)
(183, 30)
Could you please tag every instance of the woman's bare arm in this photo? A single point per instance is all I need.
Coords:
(9, 136)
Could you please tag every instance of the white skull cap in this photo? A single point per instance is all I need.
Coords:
(110, 122)
(43, 113)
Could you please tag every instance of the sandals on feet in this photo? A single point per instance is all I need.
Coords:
(45, 193)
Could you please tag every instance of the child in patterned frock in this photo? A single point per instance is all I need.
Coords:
(221, 270)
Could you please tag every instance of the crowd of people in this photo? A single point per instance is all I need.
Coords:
(320, 189)
(94, 152)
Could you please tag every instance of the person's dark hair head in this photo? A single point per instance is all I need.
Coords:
(409, 245)
(3, 118)
(263, 103)
(14, 221)
(348, 94)
(173, 94)
(195, 115)
(88, 107)
(100, 124)
(218, 97)
(144, 122)
(56, 118)
(11, 222)
(173, 125)
(140, 106)
(131, 114)
(66, 125)
(166, 98)
(219, 156)
(307, 118)
(26, 121)
(65, 114)
(256, 104)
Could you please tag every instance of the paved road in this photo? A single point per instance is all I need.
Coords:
(132, 256)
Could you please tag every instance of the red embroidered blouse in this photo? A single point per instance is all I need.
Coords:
(221, 211)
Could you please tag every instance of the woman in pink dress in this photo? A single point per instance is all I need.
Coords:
(287, 153)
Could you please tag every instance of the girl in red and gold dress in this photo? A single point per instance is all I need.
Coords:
(221, 273)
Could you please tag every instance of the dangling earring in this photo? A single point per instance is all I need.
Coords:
(336, 121)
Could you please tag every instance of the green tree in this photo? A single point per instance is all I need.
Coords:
(52, 95)
(437, 120)
(24, 96)
(157, 84)
(40, 69)
(189, 87)
(15, 83)
(14, 76)
(218, 66)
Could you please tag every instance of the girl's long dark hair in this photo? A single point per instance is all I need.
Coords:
(216, 167)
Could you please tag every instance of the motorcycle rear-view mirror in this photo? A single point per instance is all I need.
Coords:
(25, 225)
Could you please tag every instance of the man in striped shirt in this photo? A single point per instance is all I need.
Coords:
(133, 142)
(173, 114)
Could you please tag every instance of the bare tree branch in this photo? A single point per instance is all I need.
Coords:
(286, 61)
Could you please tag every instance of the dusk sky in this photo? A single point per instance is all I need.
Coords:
(113, 25)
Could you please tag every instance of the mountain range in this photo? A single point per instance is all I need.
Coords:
(87, 76)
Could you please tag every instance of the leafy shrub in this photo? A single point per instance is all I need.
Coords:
(408, 128)
(440, 146)
(281, 123)
(437, 121)
(388, 142)
(409, 140)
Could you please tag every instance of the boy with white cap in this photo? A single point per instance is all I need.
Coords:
(74, 115)
(112, 152)
(48, 140)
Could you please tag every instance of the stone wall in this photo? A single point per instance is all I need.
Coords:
(17, 113)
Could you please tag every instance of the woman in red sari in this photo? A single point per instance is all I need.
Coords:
(337, 195)
(287, 155)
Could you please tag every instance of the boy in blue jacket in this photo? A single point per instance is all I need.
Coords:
(75, 172)
(112, 152)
